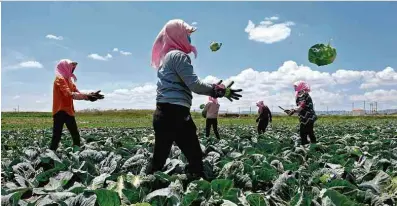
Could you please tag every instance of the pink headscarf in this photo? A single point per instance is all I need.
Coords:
(65, 69)
(301, 86)
(173, 36)
(261, 105)
(213, 100)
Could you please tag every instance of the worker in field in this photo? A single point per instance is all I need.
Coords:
(64, 92)
(212, 108)
(305, 110)
(265, 116)
(172, 121)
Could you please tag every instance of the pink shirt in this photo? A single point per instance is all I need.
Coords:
(212, 110)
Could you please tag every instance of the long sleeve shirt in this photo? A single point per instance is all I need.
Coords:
(265, 114)
(64, 91)
(212, 110)
(177, 80)
(305, 109)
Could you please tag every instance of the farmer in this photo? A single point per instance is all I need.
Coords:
(305, 111)
(212, 108)
(265, 116)
(64, 92)
(172, 121)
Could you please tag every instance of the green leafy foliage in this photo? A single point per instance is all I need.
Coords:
(321, 54)
(107, 197)
(215, 46)
(351, 164)
(256, 200)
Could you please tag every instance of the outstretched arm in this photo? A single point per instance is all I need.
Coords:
(185, 71)
(67, 91)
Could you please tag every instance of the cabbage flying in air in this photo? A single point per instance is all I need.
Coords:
(215, 46)
(321, 54)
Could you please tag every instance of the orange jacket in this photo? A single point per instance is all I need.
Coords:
(63, 96)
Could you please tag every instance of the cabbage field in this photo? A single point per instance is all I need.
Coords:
(353, 163)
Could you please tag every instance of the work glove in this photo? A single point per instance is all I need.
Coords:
(222, 91)
(290, 112)
(94, 96)
(97, 95)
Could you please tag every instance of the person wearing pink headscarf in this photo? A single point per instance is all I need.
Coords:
(172, 121)
(265, 116)
(212, 108)
(64, 92)
(305, 110)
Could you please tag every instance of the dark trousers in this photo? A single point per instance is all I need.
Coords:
(307, 130)
(214, 124)
(262, 124)
(173, 123)
(61, 118)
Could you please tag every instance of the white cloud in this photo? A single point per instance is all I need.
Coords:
(51, 36)
(30, 64)
(100, 58)
(265, 23)
(268, 32)
(379, 95)
(336, 90)
(274, 87)
(346, 76)
(25, 64)
(194, 23)
(125, 53)
(273, 18)
(368, 79)
(16, 97)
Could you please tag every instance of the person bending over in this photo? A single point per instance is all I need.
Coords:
(265, 116)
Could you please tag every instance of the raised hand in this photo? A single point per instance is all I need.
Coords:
(230, 94)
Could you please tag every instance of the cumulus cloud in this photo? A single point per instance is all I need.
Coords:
(329, 89)
(99, 57)
(273, 18)
(269, 32)
(379, 95)
(368, 79)
(274, 87)
(54, 37)
(30, 64)
(125, 53)
(25, 64)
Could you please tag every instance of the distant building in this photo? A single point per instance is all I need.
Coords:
(358, 112)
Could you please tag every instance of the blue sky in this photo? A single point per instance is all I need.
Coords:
(364, 34)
